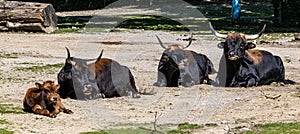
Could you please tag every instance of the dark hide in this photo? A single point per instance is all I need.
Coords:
(113, 79)
(102, 78)
(44, 100)
(182, 67)
(240, 66)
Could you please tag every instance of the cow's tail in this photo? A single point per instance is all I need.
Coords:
(289, 82)
(135, 93)
(282, 72)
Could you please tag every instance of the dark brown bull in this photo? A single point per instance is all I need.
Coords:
(103, 77)
(182, 67)
(44, 100)
(241, 66)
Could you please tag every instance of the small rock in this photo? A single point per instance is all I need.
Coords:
(237, 99)
(224, 122)
(245, 129)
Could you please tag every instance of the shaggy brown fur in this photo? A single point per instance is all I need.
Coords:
(44, 100)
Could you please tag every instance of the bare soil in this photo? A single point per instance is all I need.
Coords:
(232, 109)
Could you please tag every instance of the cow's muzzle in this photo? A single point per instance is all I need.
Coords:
(233, 58)
(87, 89)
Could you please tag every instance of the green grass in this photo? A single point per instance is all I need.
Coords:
(10, 109)
(189, 126)
(185, 128)
(6, 56)
(253, 16)
(47, 67)
(4, 122)
(3, 131)
(72, 24)
(120, 131)
(97, 132)
(276, 128)
(151, 22)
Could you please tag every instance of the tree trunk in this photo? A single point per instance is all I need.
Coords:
(27, 16)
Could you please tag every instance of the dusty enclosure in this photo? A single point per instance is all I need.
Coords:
(29, 58)
(140, 51)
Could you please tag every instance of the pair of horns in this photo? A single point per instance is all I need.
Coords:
(248, 37)
(163, 46)
(86, 60)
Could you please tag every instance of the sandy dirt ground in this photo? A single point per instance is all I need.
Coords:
(229, 108)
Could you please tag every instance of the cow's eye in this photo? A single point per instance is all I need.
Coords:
(47, 91)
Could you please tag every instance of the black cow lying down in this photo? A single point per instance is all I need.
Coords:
(182, 67)
(243, 66)
(103, 77)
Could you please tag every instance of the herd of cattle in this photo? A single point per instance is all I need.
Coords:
(240, 66)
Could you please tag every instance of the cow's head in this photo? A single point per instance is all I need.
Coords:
(177, 61)
(236, 44)
(80, 74)
(49, 91)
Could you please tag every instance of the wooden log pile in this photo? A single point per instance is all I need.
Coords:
(27, 16)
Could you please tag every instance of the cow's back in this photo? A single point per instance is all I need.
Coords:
(269, 67)
(205, 66)
(113, 79)
(32, 96)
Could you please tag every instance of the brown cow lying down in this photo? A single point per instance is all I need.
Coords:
(44, 100)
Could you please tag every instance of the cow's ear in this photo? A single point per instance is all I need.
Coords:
(57, 87)
(250, 45)
(221, 45)
(38, 85)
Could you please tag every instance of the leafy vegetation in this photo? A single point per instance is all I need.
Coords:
(276, 128)
(10, 109)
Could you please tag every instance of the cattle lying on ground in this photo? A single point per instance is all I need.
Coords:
(182, 67)
(241, 66)
(44, 100)
(103, 77)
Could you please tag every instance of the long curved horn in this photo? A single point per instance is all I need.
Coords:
(223, 36)
(190, 42)
(100, 55)
(161, 44)
(68, 53)
(255, 36)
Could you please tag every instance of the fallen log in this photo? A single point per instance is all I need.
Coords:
(27, 16)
